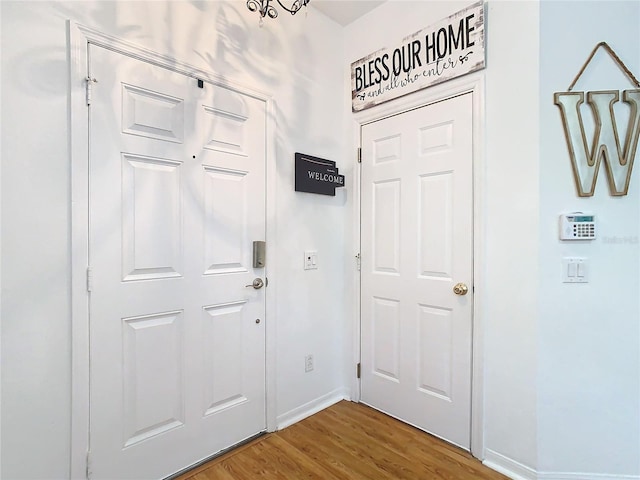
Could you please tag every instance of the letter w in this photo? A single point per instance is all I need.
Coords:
(606, 142)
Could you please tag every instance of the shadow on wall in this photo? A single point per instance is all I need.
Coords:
(282, 64)
(223, 36)
(41, 72)
(279, 58)
(238, 51)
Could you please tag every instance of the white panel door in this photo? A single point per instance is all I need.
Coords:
(177, 195)
(417, 243)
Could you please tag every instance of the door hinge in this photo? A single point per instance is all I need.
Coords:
(359, 155)
(89, 279)
(89, 83)
(358, 261)
(358, 370)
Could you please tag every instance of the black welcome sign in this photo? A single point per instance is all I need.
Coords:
(317, 175)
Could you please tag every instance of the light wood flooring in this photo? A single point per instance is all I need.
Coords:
(346, 441)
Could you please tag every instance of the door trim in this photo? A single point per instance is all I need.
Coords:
(473, 84)
(78, 39)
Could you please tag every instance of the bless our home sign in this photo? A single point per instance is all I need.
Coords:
(448, 49)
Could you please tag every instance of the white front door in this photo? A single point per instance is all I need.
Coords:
(417, 244)
(177, 195)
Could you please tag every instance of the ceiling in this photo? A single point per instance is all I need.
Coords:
(345, 11)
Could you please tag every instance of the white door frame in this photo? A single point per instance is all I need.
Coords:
(78, 38)
(474, 84)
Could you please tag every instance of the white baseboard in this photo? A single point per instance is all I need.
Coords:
(309, 408)
(506, 466)
(518, 471)
(584, 476)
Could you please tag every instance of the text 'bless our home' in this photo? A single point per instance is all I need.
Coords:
(432, 47)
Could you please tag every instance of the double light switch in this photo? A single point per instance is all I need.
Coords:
(575, 270)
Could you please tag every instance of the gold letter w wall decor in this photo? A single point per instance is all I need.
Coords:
(605, 146)
(606, 142)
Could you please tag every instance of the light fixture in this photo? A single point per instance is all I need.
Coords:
(265, 7)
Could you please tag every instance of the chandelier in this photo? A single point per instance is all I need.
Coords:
(265, 7)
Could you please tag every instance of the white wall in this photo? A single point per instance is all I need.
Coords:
(510, 199)
(511, 208)
(35, 251)
(284, 58)
(589, 335)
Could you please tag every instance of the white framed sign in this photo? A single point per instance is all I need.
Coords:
(448, 49)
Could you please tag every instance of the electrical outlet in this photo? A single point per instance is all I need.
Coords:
(310, 260)
(308, 363)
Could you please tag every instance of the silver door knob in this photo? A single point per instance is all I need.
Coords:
(257, 284)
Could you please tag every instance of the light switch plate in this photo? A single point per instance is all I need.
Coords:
(575, 270)
(311, 260)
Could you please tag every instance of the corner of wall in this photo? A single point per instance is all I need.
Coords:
(511, 234)
(310, 408)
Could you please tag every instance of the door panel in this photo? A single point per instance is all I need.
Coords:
(223, 357)
(417, 242)
(153, 390)
(386, 225)
(386, 338)
(177, 358)
(226, 202)
(151, 218)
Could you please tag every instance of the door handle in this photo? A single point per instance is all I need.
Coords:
(257, 284)
(460, 289)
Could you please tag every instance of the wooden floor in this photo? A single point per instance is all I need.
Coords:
(345, 441)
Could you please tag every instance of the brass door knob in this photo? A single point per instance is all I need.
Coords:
(460, 289)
